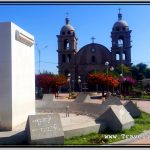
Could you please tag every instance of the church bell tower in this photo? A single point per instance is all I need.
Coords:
(67, 49)
(121, 42)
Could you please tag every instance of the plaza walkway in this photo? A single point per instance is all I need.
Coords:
(143, 105)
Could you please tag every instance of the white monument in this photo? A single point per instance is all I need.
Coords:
(17, 76)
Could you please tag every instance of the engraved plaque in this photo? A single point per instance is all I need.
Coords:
(45, 129)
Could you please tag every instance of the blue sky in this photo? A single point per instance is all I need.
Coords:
(45, 22)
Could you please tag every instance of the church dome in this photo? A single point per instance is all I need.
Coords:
(67, 28)
(100, 52)
(120, 25)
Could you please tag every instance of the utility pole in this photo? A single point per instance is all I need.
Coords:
(39, 53)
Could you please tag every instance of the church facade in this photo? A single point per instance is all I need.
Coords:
(93, 56)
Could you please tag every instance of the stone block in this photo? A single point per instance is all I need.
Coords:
(48, 97)
(112, 100)
(83, 96)
(117, 118)
(45, 129)
(132, 109)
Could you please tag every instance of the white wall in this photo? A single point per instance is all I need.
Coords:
(17, 76)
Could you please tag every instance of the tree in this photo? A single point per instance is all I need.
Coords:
(44, 81)
(103, 80)
(147, 73)
(142, 67)
(126, 70)
(140, 71)
(50, 82)
(59, 80)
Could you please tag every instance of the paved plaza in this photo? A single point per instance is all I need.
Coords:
(143, 105)
(81, 115)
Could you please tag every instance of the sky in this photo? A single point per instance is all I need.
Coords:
(44, 22)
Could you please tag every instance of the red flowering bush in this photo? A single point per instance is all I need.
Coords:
(60, 80)
(102, 78)
(49, 81)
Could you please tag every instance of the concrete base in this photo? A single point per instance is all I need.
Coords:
(72, 126)
(83, 130)
(15, 137)
(81, 125)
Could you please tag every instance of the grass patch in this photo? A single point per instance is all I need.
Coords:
(141, 124)
(90, 139)
(145, 97)
(142, 97)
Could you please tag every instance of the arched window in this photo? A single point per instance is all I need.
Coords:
(123, 56)
(117, 29)
(63, 58)
(66, 44)
(68, 58)
(93, 59)
(63, 33)
(66, 73)
(117, 56)
(123, 28)
(120, 42)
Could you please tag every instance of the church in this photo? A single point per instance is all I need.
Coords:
(93, 56)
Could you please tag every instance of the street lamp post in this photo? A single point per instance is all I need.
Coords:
(39, 53)
(120, 83)
(122, 61)
(107, 65)
(79, 82)
(111, 69)
(69, 80)
(73, 85)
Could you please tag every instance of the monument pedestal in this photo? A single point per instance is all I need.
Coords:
(17, 76)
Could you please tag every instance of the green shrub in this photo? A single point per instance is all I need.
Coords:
(136, 93)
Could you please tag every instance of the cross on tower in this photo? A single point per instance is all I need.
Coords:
(119, 15)
(93, 38)
(67, 19)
